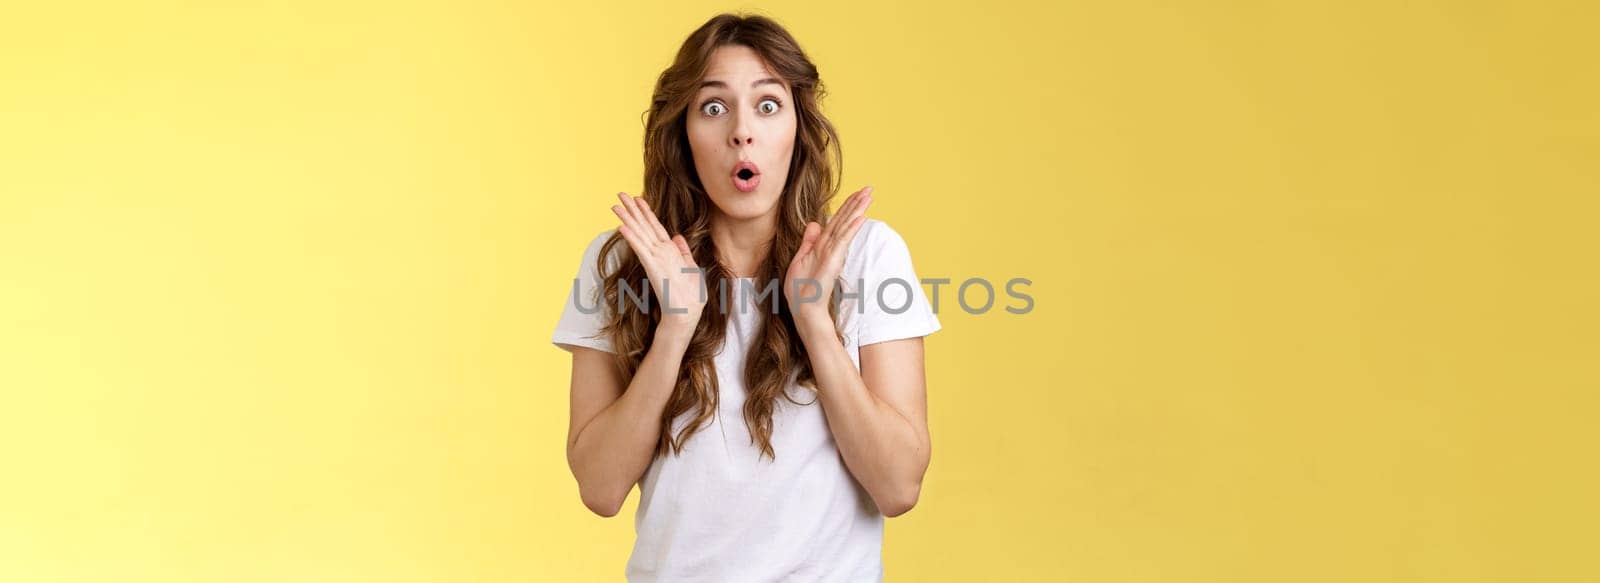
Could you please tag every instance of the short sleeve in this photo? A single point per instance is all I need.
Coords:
(893, 304)
(583, 316)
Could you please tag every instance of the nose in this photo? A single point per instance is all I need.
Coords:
(742, 136)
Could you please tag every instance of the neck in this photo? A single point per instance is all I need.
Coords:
(743, 243)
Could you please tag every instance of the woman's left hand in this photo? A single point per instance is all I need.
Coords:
(808, 286)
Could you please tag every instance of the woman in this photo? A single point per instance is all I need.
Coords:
(769, 433)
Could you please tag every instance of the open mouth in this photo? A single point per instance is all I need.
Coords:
(746, 176)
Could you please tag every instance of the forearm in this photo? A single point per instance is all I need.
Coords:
(610, 453)
(885, 451)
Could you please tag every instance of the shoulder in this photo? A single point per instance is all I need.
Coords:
(876, 235)
(875, 244)
(600, 239)
(591, 252)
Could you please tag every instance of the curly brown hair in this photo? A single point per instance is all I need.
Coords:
(777, 358)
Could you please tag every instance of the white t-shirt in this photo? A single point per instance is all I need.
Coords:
(722, 512)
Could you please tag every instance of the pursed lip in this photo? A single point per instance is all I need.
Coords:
(746, 185)
(743, 165)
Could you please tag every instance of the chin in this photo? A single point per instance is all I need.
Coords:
(744, 206)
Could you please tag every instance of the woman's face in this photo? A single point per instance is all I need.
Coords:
(741, 128)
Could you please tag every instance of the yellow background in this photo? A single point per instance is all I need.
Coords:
(1314, 283)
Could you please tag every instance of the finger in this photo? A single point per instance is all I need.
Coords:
(833, 220)
(856, 215)
(808, 240)
(635, 244)
(850, 234)
(850, 206)
(640, 226)
(631, 234)
(841, 220)
(848, 202)
(653, 220)
(626, 217)
(827, 222)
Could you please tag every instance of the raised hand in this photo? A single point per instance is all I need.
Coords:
(808, 285)
(665, 258)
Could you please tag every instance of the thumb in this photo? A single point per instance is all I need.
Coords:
(808, 240)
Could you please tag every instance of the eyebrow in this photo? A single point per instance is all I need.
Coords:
(758, 83)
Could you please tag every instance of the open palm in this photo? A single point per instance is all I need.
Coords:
(808, 285)
(676, 281)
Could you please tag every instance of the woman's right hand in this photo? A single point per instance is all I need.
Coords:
(666, 258)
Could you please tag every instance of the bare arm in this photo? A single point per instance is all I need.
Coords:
(878, 416)
(612, 433)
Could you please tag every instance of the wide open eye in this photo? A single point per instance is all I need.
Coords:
(768, 106)
(713, 108)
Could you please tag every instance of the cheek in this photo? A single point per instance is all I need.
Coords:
(785, 137)
(790, 123)
(702, 139)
